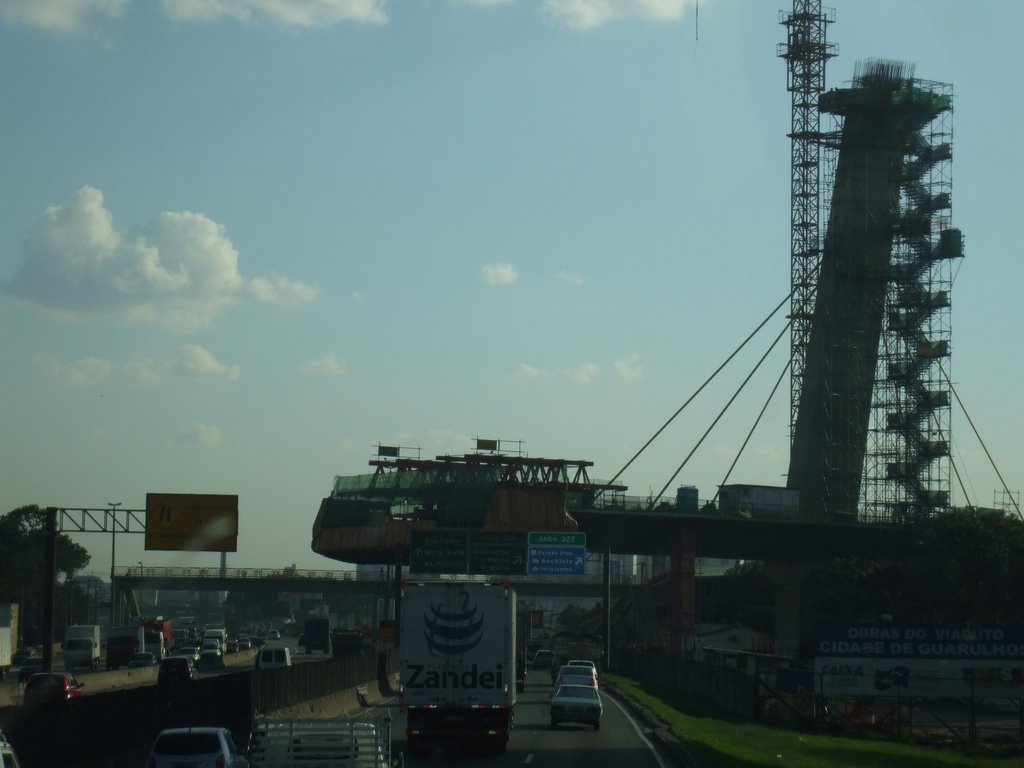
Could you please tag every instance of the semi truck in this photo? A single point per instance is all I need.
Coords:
(346, 642)
(82, 646)
(8, 636)
(316, 635)
(458, 660)
(159, 636)
(122, 642)
(6, 651)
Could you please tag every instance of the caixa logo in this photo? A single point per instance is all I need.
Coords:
(452, 633)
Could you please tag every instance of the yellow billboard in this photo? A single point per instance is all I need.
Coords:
(192, 521)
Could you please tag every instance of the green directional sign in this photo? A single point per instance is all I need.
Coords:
(491, 553)
(439, 551)
(557, 539)
(497, 554)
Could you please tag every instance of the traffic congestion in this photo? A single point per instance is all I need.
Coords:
(559, 695)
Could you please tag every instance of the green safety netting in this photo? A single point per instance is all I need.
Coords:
(453, 497)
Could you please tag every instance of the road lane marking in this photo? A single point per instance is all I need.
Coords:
(529, 758)
(636, 727)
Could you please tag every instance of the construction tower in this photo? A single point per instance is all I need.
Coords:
(806, 51)
(879, 327)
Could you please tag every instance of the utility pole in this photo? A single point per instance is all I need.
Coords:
(113, 555)
(50, 580)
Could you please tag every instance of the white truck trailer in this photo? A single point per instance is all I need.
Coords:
(458, 665)
(82, 646)
(286, 743)
(6, 651)
(8, 636)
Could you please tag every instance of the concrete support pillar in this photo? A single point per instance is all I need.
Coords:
(398, 597)
(788, 578)
(682, 586)
(606, 596)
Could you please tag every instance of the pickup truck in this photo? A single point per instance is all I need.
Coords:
(287, 743)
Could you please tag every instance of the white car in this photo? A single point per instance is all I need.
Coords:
(273, 656)
(582, 663)
(206, 745)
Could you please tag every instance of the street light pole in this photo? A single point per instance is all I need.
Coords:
(113, 554)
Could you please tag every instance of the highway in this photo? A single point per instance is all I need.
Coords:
(101, 680)
(534, 743)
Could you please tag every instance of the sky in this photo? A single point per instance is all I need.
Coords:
(244, 242)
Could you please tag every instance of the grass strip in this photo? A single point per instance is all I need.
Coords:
(715, 742)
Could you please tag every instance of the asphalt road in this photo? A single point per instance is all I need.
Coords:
(534, 743)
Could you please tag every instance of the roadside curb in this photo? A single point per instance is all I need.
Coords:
(670, 747)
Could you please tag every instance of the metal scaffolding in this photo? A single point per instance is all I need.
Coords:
(805, 51)
(907, 465)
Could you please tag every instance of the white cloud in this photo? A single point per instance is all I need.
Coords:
(196, 361)
(281, 13)
(529, 371)
(629, 368)
(180, 270)
(590, 14)
(570, 277)
(499, 274)
(357, 297)
(199, 434)
(328, 365)
(84, 372)
(281, 291)
(60, 16)
(481, 3)
(581, 374)
(146, 373)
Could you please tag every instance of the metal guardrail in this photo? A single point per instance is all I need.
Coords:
(369, 577)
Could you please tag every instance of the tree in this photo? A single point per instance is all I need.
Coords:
(22, 552)
(963, 568)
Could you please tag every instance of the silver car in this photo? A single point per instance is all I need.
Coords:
(200, 746)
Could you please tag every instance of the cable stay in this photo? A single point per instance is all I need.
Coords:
(721, 413)
(753, 427)
(691, 398)
(984, 447)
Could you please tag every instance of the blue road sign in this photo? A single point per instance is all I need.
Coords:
(556, 561)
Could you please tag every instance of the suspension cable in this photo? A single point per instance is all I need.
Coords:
(981, 442)
(721, 413)
(694, 395)
(757, 421)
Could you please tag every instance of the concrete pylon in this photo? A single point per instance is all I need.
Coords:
(787, 579)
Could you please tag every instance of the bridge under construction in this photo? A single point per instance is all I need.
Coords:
(869, 395)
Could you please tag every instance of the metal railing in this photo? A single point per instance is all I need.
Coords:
(369, 577)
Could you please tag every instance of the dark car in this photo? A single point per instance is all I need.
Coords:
(543, 659)
(20, 655)
(29, 667)
(52, 686)
(176, 669)
(142, 660)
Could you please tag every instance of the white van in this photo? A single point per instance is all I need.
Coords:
(273, 656)
(220, 635)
